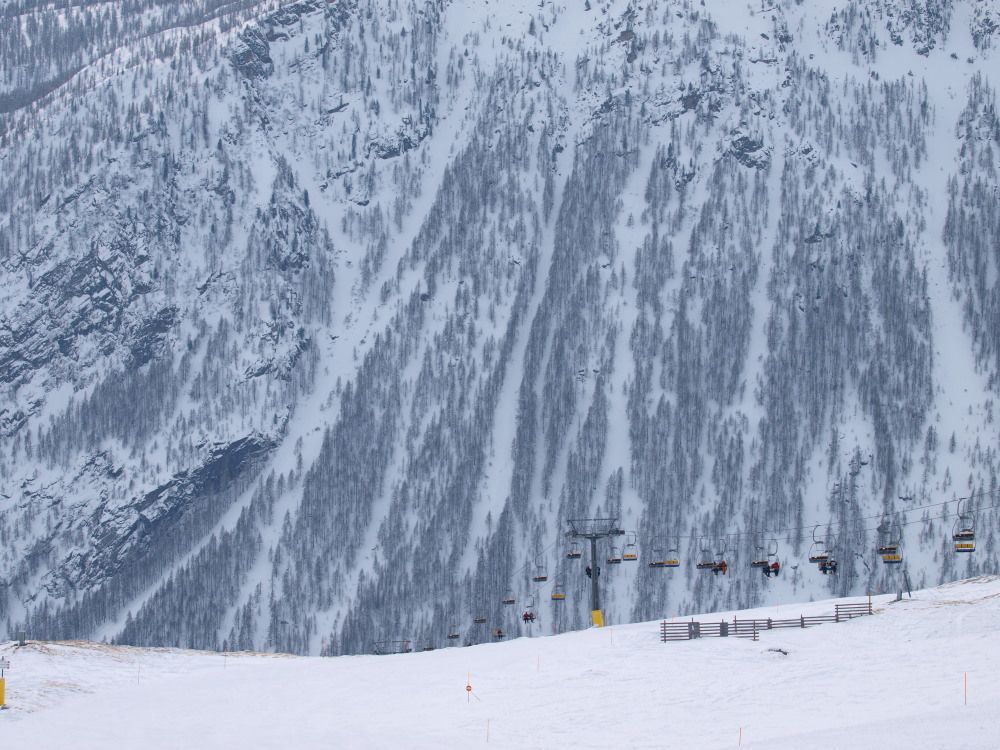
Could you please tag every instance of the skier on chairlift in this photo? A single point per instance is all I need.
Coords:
(773, 569)
(528, 616)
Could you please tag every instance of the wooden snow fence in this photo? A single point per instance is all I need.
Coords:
(751, 628)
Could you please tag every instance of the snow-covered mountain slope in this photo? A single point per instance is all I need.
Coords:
(321, 320)
(919, 673)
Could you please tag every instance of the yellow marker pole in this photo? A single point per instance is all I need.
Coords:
(2, 691)
(597, 617)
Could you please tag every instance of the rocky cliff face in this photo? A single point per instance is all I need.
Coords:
(321, 319)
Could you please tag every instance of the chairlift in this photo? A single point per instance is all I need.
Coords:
(541, 575)
(706, 559)
(614, 557)
(508, 598)
(529, 615)
(772, 566)
(558, 593)
(631, 552)
(890, 554)
(889, 541)
(818, 552)
(964, 531)
(759, 560)
(479, 620)
(454, 634)
(721, 566)
(828, 567)
(574, 552)
(665, 559)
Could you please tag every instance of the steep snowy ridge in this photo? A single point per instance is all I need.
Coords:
(322, 318)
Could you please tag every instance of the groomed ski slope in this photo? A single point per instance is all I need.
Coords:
(894, 680)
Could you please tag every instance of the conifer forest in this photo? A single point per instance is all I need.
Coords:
(319, 320)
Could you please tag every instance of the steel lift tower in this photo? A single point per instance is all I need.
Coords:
(594, 529)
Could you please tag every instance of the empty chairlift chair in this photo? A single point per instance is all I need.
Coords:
(558, 593)
(574, 552)
(964, 533)
(614, 557)
(508, 598)
(665, 558)
(631, 551)
(541, 575)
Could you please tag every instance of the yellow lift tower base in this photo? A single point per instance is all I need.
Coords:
(597, 617)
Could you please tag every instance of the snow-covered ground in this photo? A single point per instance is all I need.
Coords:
(895, 680)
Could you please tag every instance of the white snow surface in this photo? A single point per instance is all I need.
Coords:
(894, 680)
